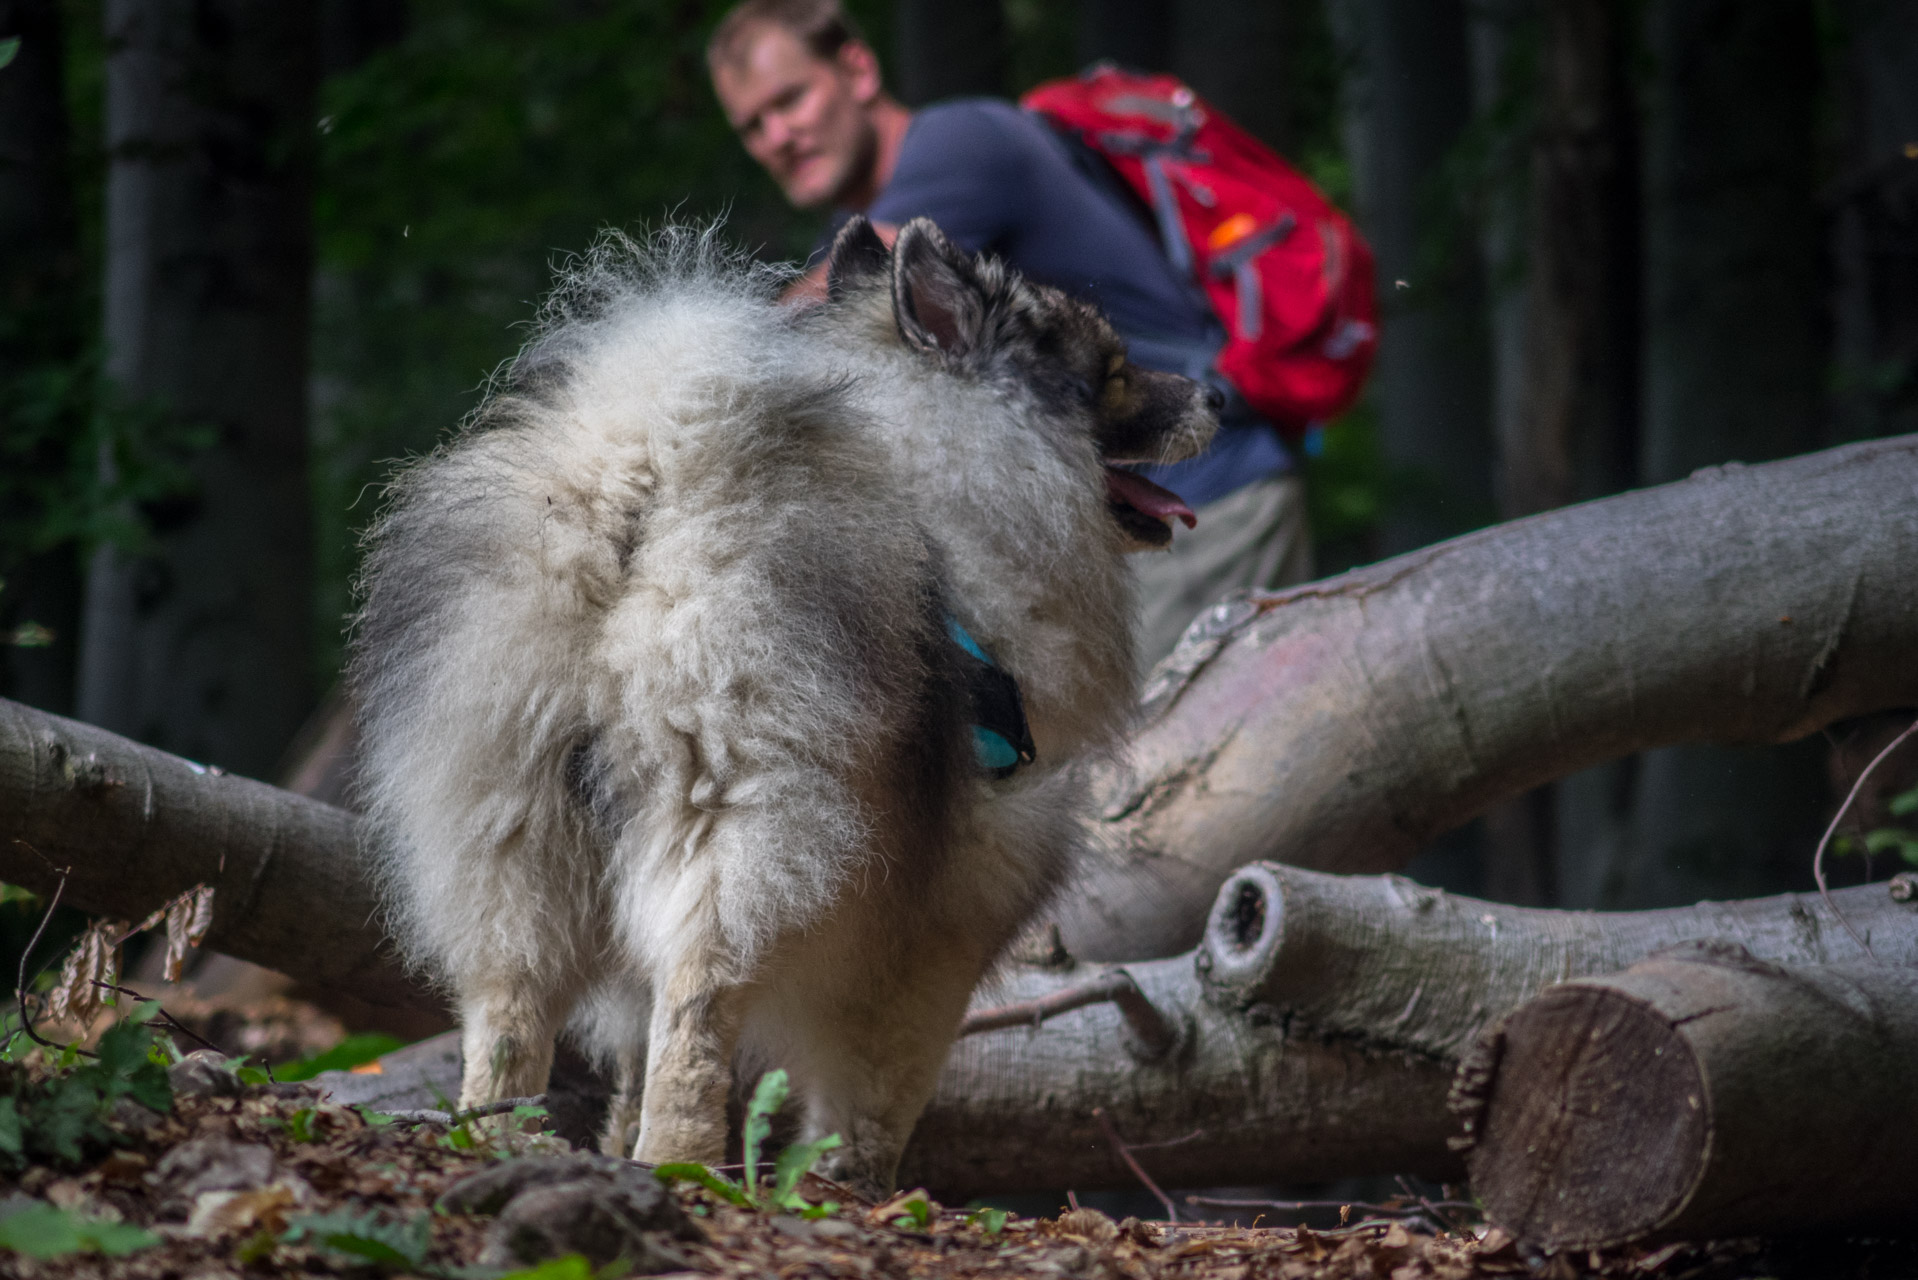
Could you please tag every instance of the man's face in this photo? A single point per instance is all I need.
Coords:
(804, 118)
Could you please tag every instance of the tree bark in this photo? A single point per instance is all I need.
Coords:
(1132, 33)
(1408, 103)
(42, 339)
(1874, 222)
(1703, 1093)
(137, 826)
(1343, 724)
(1732, 371)
(203, 645)
(944, 50)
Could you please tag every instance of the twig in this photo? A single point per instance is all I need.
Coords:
(1439, 1216)
(1194, 1136)
(1156, 1035)
(1818, 858)
(1386, 1210)
(172, 1023)
(451, 1118)
(1138, 1171)
(20, 979)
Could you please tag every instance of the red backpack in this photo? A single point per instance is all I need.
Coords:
(1287, 273)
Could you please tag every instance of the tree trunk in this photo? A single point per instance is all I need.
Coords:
(1132, 33)
(203, 645)
(1875, 222)
(1237, 56)
(1343, 724)
(1732, 368)
(1701, 1094)
(1409, 100)
(945, 50)
(137, 826)
(42, 338)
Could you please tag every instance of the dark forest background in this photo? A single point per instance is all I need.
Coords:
(250, 254)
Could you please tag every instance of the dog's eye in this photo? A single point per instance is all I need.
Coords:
(1112, 394)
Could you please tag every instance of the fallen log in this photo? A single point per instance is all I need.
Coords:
(1310, 1036)
(1703, 1093)
(1343, 724)
(127, 827)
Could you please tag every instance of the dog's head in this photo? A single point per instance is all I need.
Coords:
(981, 318)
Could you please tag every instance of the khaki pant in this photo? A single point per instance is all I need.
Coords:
(1254, 537)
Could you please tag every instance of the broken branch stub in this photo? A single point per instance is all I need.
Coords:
(1702, 1093)
(1405, 968)
(1343, 724)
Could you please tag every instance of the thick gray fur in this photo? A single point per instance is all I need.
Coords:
(662, 735)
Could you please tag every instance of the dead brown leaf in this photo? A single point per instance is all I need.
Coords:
(95, 958)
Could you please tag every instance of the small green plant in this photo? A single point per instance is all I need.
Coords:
(987, 1219)
(299, 1125)
(43, 1231)
(1900, 840)
(59, 1114)
(366, 1236)
(354, 1051)
(780, 1192)
(571, 1266)
(915, 1211)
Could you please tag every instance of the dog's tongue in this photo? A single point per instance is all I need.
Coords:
(1141, 494)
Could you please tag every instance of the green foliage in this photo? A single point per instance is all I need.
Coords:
(916, 1211)
(354, 1051)
(1899, 840)
(366, 1236)
(987, 1219)
(43, 1231)
(60, 1116)
(456, 168)
(780, 1193)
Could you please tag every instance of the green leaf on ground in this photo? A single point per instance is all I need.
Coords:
(354, 1051)
(43, 1231)
(720, 1185)
(367, 1236)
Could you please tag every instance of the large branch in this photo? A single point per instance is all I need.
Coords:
(131, 827)
(1343, 724)
(1703, 1093)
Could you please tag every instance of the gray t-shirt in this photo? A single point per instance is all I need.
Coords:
(999, 178)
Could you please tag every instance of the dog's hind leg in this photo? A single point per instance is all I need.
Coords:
(697, 1013)
(508, 1022)
(870, 1053)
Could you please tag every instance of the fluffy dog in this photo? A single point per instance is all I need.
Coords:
(690, 670)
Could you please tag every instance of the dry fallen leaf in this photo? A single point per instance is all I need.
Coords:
(188, 917)
(95, 958)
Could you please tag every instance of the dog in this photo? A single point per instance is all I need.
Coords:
(727, 683)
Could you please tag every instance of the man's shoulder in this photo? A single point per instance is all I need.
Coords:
(976, 122)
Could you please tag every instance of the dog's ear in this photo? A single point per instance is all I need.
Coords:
(936, 296)
(857, 255)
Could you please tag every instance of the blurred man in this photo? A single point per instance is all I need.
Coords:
(805, 94)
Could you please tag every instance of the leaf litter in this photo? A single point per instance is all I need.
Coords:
(236, 1179)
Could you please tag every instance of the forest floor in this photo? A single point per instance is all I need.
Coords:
(205, 1172)
(276, 1181)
